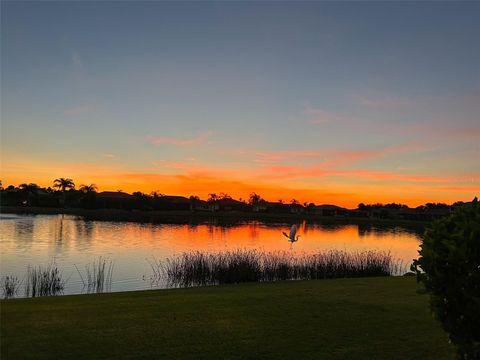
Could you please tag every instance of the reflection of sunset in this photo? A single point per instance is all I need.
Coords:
(38, 240)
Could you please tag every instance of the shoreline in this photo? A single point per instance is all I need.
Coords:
(187, 217)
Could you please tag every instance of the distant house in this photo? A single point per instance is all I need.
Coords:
(278, 208)
(228, 204)
(171, 202)
(438, 213)
(409, 214)
(115, 200)
(45, 198)
(329, 210)
(359, 213)
(260, 206)
(296, 209)
(117, 195)
(199, 205)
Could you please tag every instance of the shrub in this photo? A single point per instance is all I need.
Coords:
(450, 259)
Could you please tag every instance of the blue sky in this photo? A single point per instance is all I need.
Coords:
(322, 93)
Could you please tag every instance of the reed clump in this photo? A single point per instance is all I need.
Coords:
(10, 286)
(44, 281)
(98, 275)
(201, 268)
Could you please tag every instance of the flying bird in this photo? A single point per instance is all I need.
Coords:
(293, 232)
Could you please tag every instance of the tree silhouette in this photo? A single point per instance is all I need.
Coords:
(89, 195)
(88, 189)
(224, 196)
(254, 199)
(156, 194)
(194, 198)
(212, 197)
(63, 184)
(29, 188)
(30, 192)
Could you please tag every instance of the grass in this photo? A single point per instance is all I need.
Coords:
(361, 318)
(236, 266)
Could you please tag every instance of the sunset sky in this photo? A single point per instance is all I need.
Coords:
(327, 102)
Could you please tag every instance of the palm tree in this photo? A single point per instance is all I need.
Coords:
(89, 194)
(88, 189)
(63, 184)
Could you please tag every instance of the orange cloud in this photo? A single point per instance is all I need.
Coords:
(166, 140)
(304, 183)
(292, 172)
(319, 116)
(382, 103)
(275, 156)
(332, 157)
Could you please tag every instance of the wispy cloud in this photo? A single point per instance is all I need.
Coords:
(292, 172)
(108, 155)
(276, 156)
(440, 129)
(326, 170)
(80, 109)
(194, 169)
(320, 116)
(201, 138)
(76, 62)
(383, 103)
(333, 157)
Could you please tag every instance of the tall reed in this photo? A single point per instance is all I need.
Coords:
(98, 275)
(10, 286)
(44, 281)
(201, 268)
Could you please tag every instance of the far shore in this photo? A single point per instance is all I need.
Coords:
(185, 217)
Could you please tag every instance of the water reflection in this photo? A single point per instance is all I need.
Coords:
(36, 240)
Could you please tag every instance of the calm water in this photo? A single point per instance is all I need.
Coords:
(40, 239)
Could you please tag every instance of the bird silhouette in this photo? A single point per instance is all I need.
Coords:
(293, 232)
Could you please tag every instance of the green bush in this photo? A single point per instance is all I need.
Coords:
(450, 260)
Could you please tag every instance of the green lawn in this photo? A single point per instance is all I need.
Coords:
(371, 318)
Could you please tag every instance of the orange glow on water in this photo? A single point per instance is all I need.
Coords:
(73, 243)
(41, 237)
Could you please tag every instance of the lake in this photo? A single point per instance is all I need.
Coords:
(73, 242)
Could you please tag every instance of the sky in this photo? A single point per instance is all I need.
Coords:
(325, 102)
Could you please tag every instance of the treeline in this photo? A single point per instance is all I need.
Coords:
(64, 194)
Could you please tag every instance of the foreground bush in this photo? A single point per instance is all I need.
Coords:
(450, 258)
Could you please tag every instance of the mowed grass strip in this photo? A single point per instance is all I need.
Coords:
(362, 318)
